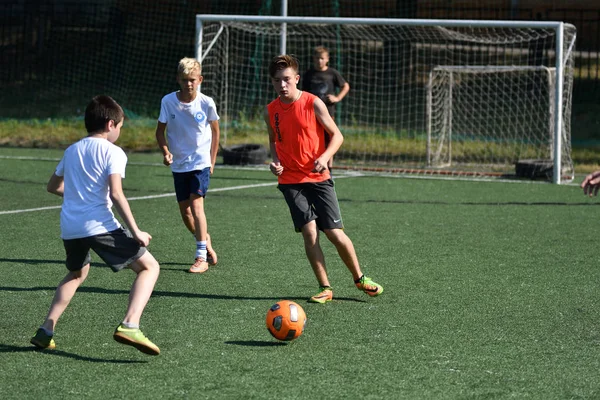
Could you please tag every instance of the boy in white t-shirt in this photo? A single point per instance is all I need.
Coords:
(192, 124)
(88, 177)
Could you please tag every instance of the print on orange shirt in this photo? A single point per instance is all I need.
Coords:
(299, 139)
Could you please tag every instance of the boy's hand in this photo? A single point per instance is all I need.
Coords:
(168, 159)
(333, 98)
(320, 165)
(142, 237)
(591, 184)
(276, 168)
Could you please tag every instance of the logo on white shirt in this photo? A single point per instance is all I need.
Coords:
(200, 116)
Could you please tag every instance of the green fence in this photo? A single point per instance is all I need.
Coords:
(55, 55)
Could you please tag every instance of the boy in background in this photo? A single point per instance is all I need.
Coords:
(296, 122)
(190, 148)
(323, 81)
(88, 177)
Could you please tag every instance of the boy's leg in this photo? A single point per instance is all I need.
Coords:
(211, 255)
(345, 249)
(62, 297)
(147, 269)
(314, 253)
(315, 256)
(347, 253)
(197, 207)
(302, 212)
(188, 219)
(186, 216)
(64, 293)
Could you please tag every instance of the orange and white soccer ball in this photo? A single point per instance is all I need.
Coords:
(286, 320)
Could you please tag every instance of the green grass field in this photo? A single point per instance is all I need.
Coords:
(491, 292)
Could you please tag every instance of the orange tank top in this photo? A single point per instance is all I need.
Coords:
(299, 139)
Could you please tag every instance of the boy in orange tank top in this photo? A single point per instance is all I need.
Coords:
(296, 122)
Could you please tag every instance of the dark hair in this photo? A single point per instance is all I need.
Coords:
(282, 62)
(320, 50)
(99, 111)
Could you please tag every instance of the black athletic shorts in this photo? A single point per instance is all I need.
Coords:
(117, 248)
(313, 201)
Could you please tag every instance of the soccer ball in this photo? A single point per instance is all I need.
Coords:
(286, 320)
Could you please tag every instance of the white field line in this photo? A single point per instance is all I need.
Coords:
(346, 174)
(156, 196)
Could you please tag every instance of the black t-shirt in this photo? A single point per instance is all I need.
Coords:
(322, 83)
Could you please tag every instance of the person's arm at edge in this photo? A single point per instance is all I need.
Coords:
(162, 143)
(275, 165)
(343, 92)
(336, 137)
(122, 205)
(214, 146)
(56, 185)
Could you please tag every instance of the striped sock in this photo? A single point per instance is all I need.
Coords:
(201, 249)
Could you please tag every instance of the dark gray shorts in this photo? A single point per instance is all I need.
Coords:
(118, 249)
(313, 201)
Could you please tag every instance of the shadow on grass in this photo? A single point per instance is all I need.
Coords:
(41, 262)
(5, 348)
(247, 195)
(255, 343)
(162, 293)
(32, 262)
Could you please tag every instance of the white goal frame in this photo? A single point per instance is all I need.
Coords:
(557, 26)
(434, 153)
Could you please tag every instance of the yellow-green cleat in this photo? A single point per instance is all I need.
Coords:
(369, 287)
(325, 295)
(43, 341)
(135, 338)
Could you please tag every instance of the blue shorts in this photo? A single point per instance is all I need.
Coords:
(193, 182)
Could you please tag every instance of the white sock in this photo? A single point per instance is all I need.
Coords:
(129, 325)
(201, 249)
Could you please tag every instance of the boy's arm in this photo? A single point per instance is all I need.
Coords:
(275, 166)
(336, 137)
(122, 205)
(214, 146)
(56, 185)
(162, 143)
(343, 92)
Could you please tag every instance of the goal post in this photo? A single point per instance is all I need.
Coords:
(463, 107)
(504, 75)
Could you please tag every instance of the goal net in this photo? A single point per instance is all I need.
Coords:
(426, 96)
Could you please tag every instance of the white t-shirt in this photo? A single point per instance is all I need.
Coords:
(188, 130)
(86, 166)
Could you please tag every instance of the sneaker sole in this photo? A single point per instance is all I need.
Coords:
(197, 271)
(40, 345)
(376, 293)
(140, 346)
(319, 301)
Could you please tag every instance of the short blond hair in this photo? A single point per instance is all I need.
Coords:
(188, 65)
